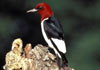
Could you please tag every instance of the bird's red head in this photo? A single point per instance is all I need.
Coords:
(43, 9)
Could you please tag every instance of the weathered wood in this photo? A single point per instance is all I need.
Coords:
(37, 58)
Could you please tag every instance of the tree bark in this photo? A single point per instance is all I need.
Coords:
(37, 58)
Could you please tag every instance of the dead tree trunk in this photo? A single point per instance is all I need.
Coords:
(38, 58)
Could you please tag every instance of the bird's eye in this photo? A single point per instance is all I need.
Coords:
(40, 7)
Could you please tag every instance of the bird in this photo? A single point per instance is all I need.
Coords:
(52, 30)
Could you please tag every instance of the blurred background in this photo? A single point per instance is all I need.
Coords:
(80, 20)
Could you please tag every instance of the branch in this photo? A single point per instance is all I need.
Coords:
(37, 58)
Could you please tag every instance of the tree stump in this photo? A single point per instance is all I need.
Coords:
(37, 58)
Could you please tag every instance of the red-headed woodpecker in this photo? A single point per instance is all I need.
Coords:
(51, 30)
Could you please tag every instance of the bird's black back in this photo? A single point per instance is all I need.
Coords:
(53, 28)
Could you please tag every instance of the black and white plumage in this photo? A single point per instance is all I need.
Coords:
(51, 30)
(53, 35)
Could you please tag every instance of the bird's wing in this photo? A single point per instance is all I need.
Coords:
(53, 28)
(54, 32)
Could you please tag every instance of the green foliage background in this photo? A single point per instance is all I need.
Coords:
(80, 20)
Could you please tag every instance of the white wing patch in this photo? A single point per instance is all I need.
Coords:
(60, 44)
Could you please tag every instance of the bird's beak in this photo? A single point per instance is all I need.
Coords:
(33, 10)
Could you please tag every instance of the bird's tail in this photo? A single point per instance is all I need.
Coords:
(64, 60)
